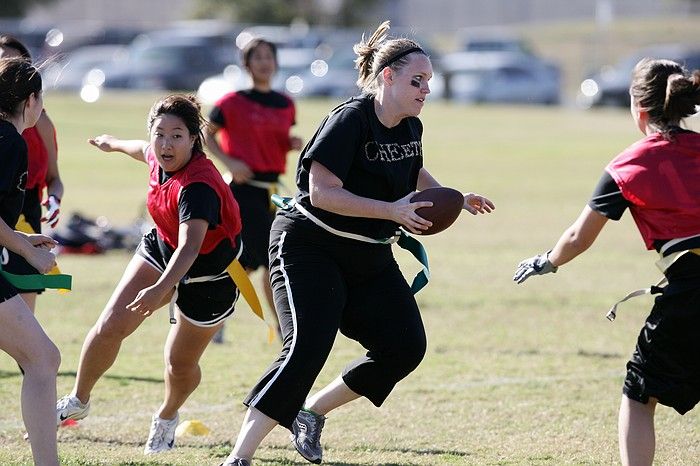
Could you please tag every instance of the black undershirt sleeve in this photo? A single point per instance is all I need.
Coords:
(216, 116)
(199, 201)
(607, 199)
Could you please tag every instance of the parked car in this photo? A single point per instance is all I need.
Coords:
(500, 77)
(609, 86)
(171, 60)
(70, 72)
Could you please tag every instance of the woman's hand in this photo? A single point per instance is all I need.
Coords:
(476, 204)
(147, 301)
(295, 143)
(404, 213)
(41, 258)
(41, 241)
(240, 171)
(105, 142)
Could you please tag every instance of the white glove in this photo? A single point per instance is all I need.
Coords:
(53, 210)
(538, 265)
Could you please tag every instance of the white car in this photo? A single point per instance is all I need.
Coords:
(500, 77)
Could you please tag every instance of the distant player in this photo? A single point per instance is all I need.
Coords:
(196, 238)
(656, 178)
(332, 268)
(250, 134)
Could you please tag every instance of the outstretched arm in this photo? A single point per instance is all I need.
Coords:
(134, 148)
(574, 241)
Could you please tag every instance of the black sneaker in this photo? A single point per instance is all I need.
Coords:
(306, 435)
(236, 462)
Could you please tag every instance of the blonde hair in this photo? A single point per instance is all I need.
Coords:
(376, 53)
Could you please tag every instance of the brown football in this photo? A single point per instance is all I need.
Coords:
(447, 205)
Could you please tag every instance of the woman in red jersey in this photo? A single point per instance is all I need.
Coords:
(253, 129)
(183, 261)
(656, 178)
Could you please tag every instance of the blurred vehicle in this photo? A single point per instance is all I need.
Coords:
(500, 77)
(71, 72)
(170, 61)
(610, 85)
(492, 41)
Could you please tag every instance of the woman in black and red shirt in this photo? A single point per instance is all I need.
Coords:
(186, 256)
(656, 178)
(249, 133)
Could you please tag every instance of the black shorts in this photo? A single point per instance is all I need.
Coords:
(7, 290)
(203, 304)
(257, 216)
(666, 361)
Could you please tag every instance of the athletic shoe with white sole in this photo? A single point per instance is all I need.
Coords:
(306, 435)
(70, 407)
(161, 437)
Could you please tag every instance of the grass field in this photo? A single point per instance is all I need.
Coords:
(514, 375)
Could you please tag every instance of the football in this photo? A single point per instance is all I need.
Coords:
(447, 205)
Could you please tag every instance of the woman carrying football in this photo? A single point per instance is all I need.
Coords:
(332, 267)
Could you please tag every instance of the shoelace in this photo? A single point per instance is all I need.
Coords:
(314, 431)
(159, 435)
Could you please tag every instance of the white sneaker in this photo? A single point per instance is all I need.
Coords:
(162, 435)
(70, 407)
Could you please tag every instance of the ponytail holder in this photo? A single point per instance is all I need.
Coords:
(398, 57)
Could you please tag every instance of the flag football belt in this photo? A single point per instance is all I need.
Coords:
(38, 281)
(401, 238)
(663, 264)
(237, 273)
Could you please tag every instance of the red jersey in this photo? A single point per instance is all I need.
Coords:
(255, 133)
(162, 201)
(37, 159)
(660, 179)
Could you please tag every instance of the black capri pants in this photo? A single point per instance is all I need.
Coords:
(323, 283)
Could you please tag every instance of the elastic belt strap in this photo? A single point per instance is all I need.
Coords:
(405, 241)
(663, 264)
(38, 281)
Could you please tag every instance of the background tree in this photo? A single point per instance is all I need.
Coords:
(17, 8)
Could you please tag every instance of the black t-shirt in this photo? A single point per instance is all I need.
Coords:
(199, 201)
(13, 173)
(272, 99)
(371, 160)
(607, 199)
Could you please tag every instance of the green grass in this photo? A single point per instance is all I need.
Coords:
(514, 375)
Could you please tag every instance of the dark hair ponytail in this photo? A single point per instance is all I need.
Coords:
(18, 80)
(666, 91)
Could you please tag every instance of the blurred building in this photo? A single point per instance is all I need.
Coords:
(429, 16)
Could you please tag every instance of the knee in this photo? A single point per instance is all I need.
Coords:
(180, 369)
(406, 357)
(44, 362)
(111, 328)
